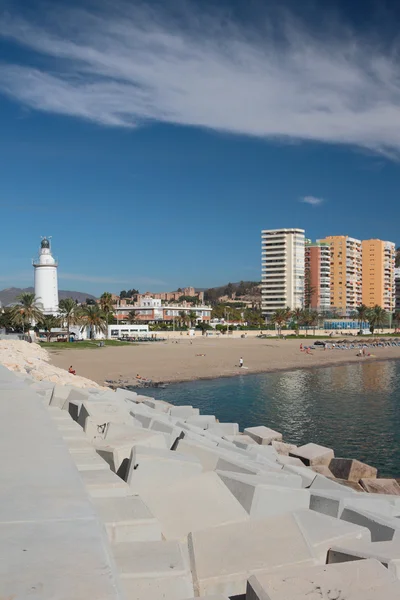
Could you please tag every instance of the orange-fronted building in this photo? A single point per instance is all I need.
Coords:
(346, 273)
(378, 274)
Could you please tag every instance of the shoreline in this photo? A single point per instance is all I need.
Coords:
(203, 360)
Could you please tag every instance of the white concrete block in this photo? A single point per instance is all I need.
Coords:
(221, 429)
(306, 475)
(322, 532)
(153, 468)
(127, 394)
(104, 484)
(333, 503)
(263, 435)
(261, 500)
(154, 570)
(127, 519)
(289, 460)
(193, 504)
(241, 441)
(117, 452)
(208, 455)
(115, 431)
(164, 426)
(383, 529)
(183, 412)
(75, 395)
(60, 394)
(89, 461)
(95, 416)
(324, 483)
(283, 448)
(202, 421)
(159, 406)
(350, 581)
(224, 557)
(385, 552)
(313, 454)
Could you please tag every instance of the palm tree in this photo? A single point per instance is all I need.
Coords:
(107, 306)
(297, 315)
(279, 318)
(27, 312)
(313, 319)
(95, 319)
(70, 313)
(192, 317)
(47, 323)
(183, 317)
(362, 314)
(133, 317)
(396, 320)
(377, 318)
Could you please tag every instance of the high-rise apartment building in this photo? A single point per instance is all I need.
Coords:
(282, 277)
(397, 287)
(378, 274)
(346, 273)
(317, 280)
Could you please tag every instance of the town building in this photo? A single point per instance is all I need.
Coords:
(346, 273)
(317, 279)
(282, 275)
(174, 296)
(46, 281)
(151, 310)
(378, 274)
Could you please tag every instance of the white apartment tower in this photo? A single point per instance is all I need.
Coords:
(282, 276)
(46, 283)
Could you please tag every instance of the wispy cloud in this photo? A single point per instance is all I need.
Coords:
(123, 65)
(139, 280)
(313, 200)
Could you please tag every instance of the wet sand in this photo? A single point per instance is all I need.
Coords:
(202, 359)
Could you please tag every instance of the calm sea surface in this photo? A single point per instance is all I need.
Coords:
(354, 409)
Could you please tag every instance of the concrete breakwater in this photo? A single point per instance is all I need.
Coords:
(110, 494)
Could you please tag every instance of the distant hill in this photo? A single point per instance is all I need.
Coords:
(10, 294)
(243, 289)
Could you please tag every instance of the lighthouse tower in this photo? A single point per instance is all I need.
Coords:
(46, 284)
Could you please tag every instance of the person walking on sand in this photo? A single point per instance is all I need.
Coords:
(240, 362)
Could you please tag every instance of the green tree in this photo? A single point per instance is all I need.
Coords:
(279, 319)
(309, 291)
(377, 318)
(229, 290)
(6, 320)
(70, 313)
(90, 301)
(47, 323)
(28, 311)
(397, 259)
(313, 319)
(183, 318)
(95, 319)
(107, 307)
(133, 317)
(362, 313)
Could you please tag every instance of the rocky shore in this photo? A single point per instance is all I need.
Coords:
(136, 498)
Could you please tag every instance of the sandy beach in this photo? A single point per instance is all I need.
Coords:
(203, 358)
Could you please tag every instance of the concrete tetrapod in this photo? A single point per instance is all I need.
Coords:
(359, 580)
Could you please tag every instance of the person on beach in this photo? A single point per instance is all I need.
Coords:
(240, 362)
(301, 347)
(71, 370)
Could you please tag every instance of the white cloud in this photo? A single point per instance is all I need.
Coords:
(313, 200)
(126, 66)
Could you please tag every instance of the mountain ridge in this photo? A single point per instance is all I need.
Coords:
(9, 295)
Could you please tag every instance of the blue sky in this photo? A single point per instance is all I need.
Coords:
(155, 141)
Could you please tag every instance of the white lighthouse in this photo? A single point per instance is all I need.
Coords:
(46, 284)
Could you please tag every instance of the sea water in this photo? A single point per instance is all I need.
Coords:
(354, 409)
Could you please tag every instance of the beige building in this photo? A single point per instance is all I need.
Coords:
(346, 273)
(378, 274)
(282, 275)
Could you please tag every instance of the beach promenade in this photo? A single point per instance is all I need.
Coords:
(184, 359)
